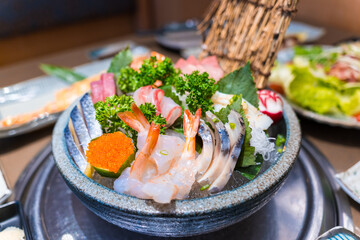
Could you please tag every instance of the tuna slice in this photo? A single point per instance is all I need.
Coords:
(109, 88)
(208, 64)
(103, 88)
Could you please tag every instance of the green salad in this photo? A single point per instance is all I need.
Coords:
(325, 80)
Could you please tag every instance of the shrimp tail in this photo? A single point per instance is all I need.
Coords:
(143, 159)
(140, 116)
(135, 119)
(191, 123)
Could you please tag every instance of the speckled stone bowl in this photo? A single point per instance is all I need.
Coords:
(181, 217)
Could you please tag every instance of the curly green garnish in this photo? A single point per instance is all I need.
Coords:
(199, 89)
(151, 70)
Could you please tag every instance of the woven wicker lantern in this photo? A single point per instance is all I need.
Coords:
(238, 31)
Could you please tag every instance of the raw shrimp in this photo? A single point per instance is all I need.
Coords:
(143, 168)
(136, 119)
(177, 182)
(154, 158)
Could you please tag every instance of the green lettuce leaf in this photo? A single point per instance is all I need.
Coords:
(241, 82)
(349, 102)
(317, 55)
(121, 60)
(313, 93)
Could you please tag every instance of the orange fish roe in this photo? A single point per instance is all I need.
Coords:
(110, 151)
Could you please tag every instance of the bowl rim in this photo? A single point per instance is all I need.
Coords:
(226, 199)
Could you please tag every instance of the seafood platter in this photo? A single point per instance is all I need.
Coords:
(175, 149)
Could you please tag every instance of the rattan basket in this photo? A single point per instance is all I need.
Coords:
(238, 31)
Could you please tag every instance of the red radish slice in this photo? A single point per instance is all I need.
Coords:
(270, 104)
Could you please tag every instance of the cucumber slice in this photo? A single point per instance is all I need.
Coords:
(106, 173)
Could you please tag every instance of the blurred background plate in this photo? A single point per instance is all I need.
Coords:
(339, 121)
(34, 94)
(286, 55)
(184, 37)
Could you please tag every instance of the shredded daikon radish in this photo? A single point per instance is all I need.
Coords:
(261, 143)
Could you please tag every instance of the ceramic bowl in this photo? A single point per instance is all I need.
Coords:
(180, 217)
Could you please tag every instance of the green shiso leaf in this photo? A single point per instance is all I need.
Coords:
(63, 73)
(121, 60)
(241, 82)
(235, 105)
(251, 171)
(247, 157)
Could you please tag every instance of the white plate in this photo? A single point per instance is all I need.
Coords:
(347, 180)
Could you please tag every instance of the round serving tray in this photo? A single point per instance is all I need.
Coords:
(309, 203)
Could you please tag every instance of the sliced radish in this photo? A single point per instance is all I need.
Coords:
(270, 104)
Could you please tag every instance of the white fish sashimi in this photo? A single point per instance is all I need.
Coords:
(255, 117)
(163, 154)
(148, 95)
(170, 110)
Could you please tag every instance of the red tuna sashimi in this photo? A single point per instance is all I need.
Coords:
(211, 60)
(108, 82)
(192, 60)
(208, 64)
(96, 91)
(181, 63)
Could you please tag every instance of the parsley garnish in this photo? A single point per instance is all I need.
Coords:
(106, 114)
(199, 89)
(151, 70)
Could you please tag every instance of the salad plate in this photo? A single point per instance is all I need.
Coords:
(281, 77)
(337, 121)
(162, 187)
